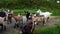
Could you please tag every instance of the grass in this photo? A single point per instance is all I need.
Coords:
(55, 12)
(47, 30)
(16, 11)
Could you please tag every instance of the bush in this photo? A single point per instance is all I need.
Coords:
(28, 4)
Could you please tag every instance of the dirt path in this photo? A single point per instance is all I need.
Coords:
(52, 21)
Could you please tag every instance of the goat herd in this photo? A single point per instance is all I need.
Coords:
(26, 25)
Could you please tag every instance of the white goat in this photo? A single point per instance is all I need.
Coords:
(45, 14)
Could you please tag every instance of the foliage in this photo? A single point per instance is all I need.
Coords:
(32, 5)
(28, 4)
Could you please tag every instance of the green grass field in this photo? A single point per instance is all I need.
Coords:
(55, 12)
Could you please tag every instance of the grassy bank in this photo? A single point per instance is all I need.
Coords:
(55, 12)
(48, 30)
